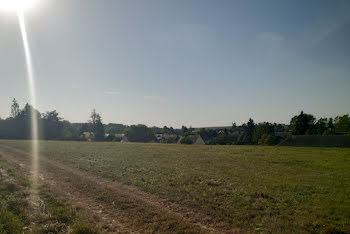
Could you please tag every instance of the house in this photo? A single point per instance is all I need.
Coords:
(159, 136)
(195, 139)
(124, 139)
(220, 132)
(87, 136)
(119, 135)
(168, 138)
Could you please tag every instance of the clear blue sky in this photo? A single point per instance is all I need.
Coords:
(199, 63)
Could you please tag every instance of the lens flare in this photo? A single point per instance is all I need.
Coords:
(16, 5)
(34, 115)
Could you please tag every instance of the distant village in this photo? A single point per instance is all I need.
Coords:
(303, 130)
(195, 139)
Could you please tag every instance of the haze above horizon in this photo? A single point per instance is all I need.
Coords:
(198, 63)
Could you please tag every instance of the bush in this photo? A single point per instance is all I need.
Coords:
(224, 139)
(186, 140)
(117, 139)
(140, 133)
(267, 139)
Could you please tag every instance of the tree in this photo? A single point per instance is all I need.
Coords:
(234, 127)
(184, 130)
(94, 115)
(28, 112)
(267, 139)
(14, 108)
(20, 127)
(330, 125)
(342, 124)
(52, 116)
(321, 126)
(262, 129)
(302, 124)
(115, 128)
(279, 127)
(69, 132)
(224, 139)
(84, 128)
(186, 140)
(52, 125)
(140, 133)
(248, 131)
(97, 127)
(207, 134)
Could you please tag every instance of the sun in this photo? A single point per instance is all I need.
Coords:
(16, 5)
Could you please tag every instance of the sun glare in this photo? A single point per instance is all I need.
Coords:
(16, 5)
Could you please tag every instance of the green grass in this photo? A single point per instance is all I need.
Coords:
(279, 189)
(13, 199)
(61, 217)
(15, 211)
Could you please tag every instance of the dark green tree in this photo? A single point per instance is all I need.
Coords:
(342, 124)
(234, 127)
(302, 124)
(248, 131)
(14, 108)
(262, 129)
(184, 130)
(140, 133)
(97, 127)
(186, 140)
(166, 129)
(27, 112)
(52, 126)
(321, 126)
(267, 139)
(330, 125)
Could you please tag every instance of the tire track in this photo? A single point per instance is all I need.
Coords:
(112, 206)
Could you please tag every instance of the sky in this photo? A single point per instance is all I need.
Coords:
(197, 63)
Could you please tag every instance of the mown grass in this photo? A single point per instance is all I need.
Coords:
(263, 189)
(17, 216)
(13, 199)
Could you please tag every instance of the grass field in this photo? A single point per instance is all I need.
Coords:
(17, 215)
(248, 188)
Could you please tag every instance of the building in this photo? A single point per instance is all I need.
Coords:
(169, 138)
(120, 135)
(195, 139)
(159, 136)
(124, 139)
(87, 136)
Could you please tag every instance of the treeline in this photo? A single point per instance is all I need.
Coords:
(267, 133)
(248, 133)
(306, 124)
(53, 127)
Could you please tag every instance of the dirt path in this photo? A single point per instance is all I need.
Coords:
(111, 206)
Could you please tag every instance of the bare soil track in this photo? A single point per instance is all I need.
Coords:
(113, 207)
